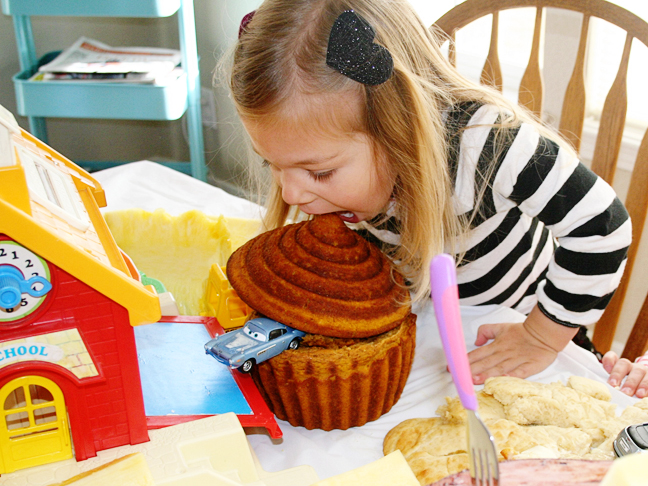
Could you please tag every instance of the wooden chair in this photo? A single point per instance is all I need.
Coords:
(612, 121)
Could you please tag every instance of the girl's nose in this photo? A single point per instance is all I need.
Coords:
(293, 193)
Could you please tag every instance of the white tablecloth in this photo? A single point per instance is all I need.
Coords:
(150, 186)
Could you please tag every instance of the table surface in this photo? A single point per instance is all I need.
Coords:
(150, 186)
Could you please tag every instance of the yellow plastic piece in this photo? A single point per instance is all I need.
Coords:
(129, 470)
(14, 188)
(389, 470)
(628, 470)
(176, 250)
(242, 230)
(223, 301)
(33, 418)
(179, 251)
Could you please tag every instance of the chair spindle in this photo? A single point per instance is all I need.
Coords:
(531, 86)
(610, 134)
(573, 109)
(492, 73)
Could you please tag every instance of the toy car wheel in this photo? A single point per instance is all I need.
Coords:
(294, 344)
(246, 367)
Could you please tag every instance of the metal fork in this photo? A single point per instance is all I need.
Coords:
(484, 468)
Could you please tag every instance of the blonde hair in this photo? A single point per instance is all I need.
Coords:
(282, 54)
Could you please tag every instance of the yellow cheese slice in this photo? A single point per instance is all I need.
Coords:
(129, 470)
(386, 471)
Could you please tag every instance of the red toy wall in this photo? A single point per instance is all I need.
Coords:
(105, 411)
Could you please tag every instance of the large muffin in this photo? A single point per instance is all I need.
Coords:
(324, 279)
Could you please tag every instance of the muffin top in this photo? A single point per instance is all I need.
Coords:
(320, 277)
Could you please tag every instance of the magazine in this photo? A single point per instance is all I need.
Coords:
(91, 60)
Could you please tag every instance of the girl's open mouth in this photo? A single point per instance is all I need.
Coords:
(348, 216)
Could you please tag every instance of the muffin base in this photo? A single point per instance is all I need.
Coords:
(331, 383)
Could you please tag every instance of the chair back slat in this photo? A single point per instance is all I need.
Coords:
(573, 110)
(531, 86)
(610, 135)
(492, 73)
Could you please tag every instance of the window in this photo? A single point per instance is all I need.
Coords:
(53, 189)
(18, 410)
(275, 333)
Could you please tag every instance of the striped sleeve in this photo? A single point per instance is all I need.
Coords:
(591, 226)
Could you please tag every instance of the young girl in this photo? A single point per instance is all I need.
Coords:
(354, 110)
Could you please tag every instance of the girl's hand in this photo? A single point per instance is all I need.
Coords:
(519, 350)
(635, 375)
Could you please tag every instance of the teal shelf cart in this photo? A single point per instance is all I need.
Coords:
(38, 100)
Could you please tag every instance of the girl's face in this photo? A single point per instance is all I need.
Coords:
(324, 171)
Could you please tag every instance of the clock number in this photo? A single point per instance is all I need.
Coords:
(20, 264)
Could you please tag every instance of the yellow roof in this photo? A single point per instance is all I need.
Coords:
(51, 206)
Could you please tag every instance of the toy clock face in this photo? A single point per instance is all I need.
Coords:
(24, 281)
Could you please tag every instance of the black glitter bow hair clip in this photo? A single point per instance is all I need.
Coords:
(353, 52)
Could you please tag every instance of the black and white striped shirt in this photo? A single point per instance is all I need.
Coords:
(549, 231)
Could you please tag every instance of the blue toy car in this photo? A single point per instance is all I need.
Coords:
(260, 339)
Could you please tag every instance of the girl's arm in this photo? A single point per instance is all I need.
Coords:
(519, 349)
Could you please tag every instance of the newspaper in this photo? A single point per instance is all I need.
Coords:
(91, 60)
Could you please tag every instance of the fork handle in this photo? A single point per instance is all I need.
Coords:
(445, 295)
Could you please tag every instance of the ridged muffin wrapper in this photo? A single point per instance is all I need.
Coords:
(345, 384)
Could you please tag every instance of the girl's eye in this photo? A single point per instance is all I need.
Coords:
(321, 176)
(265, 163)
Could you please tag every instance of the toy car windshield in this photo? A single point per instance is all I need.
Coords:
(255, 332)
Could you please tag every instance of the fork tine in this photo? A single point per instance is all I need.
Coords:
(477, 463)
(489, 475)
(483, 465)
(482, 452)
(492, 473)
(474, 463)
(483, 469)
(480, 471)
